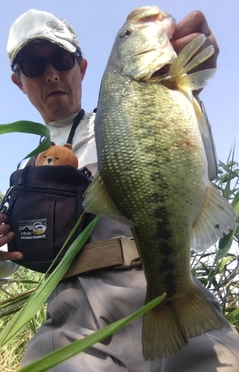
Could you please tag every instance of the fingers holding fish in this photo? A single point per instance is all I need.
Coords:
(193, 24)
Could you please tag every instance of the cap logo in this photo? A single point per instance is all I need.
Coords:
(55, 26)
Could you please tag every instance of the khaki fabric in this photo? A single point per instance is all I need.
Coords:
(80, 306)
(83, 304)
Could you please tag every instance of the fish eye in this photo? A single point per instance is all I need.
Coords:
(125, 33)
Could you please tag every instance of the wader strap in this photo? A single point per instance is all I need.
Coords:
(117, 253)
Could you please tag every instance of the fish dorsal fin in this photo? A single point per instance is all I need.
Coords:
(98, 201)
(217, 217)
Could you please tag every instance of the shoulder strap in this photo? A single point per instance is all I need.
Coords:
(75, 124)
(31, 161)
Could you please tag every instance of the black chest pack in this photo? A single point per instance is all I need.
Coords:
(43, 204)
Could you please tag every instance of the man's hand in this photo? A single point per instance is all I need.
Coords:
(5, 237)
(192, 25)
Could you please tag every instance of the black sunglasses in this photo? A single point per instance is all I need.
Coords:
(35, 66)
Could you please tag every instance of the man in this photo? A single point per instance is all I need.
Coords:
(45, 55)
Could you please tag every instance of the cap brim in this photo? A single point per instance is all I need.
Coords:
(62, 43)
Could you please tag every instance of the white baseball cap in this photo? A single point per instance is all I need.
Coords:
(36, 24)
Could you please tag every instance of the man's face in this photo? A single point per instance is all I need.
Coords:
(55, 94)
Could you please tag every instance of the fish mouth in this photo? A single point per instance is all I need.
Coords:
(161, 72)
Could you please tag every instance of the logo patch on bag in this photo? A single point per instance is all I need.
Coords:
(32, 229)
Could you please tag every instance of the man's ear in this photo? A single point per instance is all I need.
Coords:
(16, 80)
(83, 67)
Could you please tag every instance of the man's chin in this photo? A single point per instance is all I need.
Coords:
(59, 112)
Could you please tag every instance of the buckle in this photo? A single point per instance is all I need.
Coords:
(129, 252)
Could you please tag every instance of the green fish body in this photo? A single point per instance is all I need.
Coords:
(153, 175)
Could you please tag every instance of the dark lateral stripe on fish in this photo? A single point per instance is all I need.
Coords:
(163, 227)
(169, 277)
(163, 239)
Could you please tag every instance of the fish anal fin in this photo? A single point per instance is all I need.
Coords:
(217, 217)
(98, 201)
(167, 327)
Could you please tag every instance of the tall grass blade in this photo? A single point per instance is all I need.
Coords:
(24, 126)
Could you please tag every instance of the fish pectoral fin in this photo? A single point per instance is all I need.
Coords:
(178, 77)
(185, 61)
(98, 201)
(196, 80)
(217, 217)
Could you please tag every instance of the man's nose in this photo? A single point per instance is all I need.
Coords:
(51, 73)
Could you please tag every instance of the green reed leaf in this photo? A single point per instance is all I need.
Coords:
(24, 126)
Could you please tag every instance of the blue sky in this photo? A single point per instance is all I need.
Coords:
(96, 23)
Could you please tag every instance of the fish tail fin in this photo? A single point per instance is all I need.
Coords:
(196, 314)
(167, 327)
(161, 334)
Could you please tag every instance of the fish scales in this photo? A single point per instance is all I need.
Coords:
(166, 211)
(153, 173)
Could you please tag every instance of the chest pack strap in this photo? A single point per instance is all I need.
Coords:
(75, 124)
(117, 253)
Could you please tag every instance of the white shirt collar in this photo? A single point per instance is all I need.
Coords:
(64, 122)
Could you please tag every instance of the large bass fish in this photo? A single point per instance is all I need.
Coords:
(153, 171)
